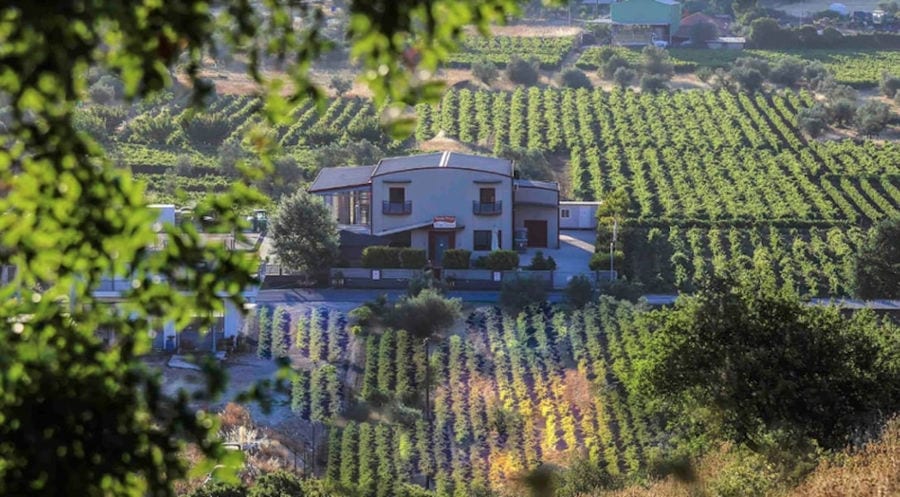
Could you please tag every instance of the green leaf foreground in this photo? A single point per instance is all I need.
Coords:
(73, 413)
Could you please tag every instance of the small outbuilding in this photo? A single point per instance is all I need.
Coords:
(727, 42)
(578, 215)
(641, 22)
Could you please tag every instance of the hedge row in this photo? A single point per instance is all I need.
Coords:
(393, 257)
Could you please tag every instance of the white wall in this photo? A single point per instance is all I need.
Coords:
(582, 215)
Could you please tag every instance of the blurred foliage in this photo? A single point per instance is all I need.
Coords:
(75, 414)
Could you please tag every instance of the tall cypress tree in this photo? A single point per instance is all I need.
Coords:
(264, 345)
(281, 323)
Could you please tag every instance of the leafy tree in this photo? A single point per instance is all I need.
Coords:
(653, 83)
(612, 64)
(304, 235)
(573, 78)
(766, 33)
(748, 78)
(340, 85)
(277, 484)
(522, 71)
(813, 120)
(889, 85)
(842, 111)
(264, 342)
(281, 323)
(219, 489)
(703, 32)
(878, 263)
(624, 76)
(872, 117)
(759, 361)
(760, 64)
(656, 61)
(787, 71)
(485, 71)
(425, 314)
(286, 177)
(579, 291)
(70, 217)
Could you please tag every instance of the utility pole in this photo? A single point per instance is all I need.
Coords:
(427, 411)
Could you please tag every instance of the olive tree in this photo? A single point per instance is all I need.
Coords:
(304, 234)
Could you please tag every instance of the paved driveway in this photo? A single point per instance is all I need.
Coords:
(572, 256)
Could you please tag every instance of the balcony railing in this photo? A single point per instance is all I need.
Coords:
(487, 208)
(396, 208)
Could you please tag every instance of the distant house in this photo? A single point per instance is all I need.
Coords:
(642, 22)
(441, 201)
(689, 22)
(578, 215)
(226, 325)
(727, 42)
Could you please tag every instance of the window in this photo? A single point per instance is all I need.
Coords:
(488, 195)
(564, 213)
(397, 195)
(482, 240)
(499, 239)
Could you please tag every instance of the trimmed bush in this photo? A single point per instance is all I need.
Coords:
(457, 259)
(411, 258)
(600, 260)
(499, 260)
(381, 257)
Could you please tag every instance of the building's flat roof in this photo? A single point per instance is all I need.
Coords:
(335, 178)
(453, 160)
(529, 183)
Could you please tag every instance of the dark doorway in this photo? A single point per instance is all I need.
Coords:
(537, 233)
(438, 243)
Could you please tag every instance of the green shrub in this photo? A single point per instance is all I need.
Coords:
(890, 84)
(381, 257)
(579, 291)
(484, 70)
(573, 78)
(499, 260)
(411, 258)
(600, 260)
(518, 293)
(539, 263)
(652, 83)
(522, 72)
(457, 259)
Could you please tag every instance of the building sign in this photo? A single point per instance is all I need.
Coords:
(444, 222)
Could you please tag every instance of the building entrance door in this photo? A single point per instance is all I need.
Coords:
(438, 243)
(537, 233)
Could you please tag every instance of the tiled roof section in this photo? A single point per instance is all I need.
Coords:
(335, 178)
(453, 160)
(528, 183)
